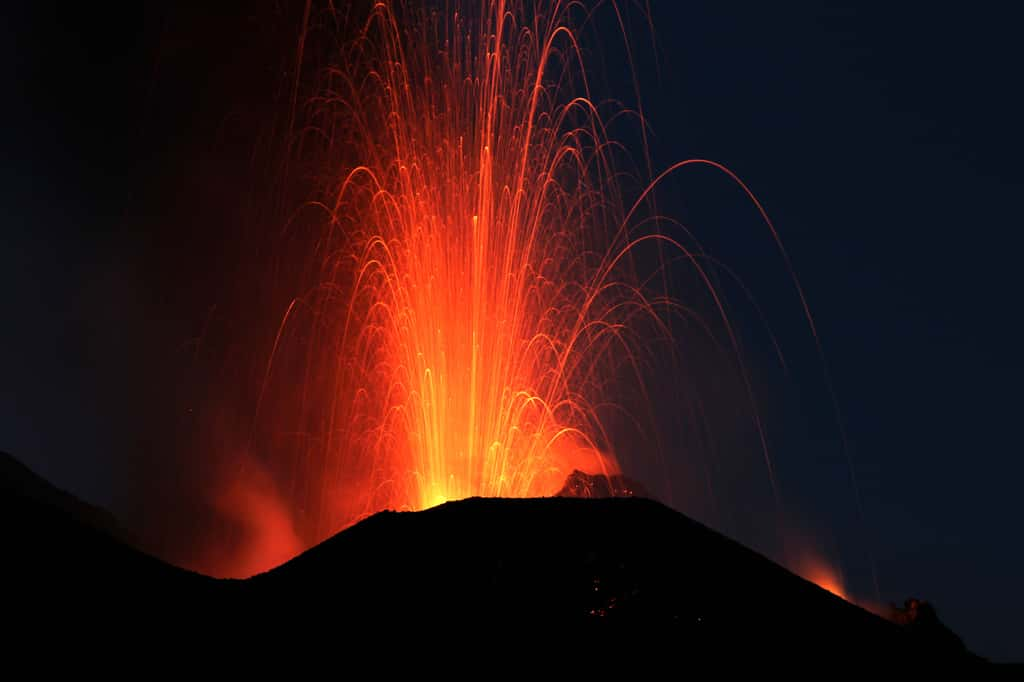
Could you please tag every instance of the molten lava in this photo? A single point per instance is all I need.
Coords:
(473, 281)
(467, 289)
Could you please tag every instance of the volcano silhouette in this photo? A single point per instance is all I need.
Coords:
(551, 562)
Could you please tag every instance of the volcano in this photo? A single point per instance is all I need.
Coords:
(606, 562)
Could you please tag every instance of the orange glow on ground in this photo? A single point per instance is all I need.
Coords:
(832, 585)
(826, 577)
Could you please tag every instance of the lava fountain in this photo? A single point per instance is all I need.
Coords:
(473, 285)
(470, 296)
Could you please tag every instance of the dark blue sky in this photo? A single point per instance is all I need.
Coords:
(883, 140)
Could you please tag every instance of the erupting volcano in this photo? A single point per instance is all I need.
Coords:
(474, 283)
(483, 268)
(415, 311)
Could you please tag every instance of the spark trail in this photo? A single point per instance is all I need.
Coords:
(474, 286)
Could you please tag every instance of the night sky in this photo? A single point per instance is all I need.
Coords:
(883, 141)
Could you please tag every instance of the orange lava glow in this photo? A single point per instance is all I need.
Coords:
(467, 302)
(825, 576)
(474, 288)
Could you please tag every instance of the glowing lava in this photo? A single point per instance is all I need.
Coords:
(474, 289)
(824, 575)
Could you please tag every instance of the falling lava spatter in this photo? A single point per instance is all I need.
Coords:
(470, 301)
(474, 287)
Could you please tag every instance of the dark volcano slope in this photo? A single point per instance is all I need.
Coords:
(596, 563)
(63, 557)
(620, 565)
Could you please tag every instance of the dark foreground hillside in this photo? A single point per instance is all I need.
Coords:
(625, 564)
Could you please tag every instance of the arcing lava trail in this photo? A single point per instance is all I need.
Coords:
(474, 287)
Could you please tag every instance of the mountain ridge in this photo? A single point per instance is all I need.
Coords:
(618, 563)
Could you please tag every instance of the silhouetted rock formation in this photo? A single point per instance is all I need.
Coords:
(18, 481)
(920, 619)
(64, 559)
(599, 486)
(480, 565)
